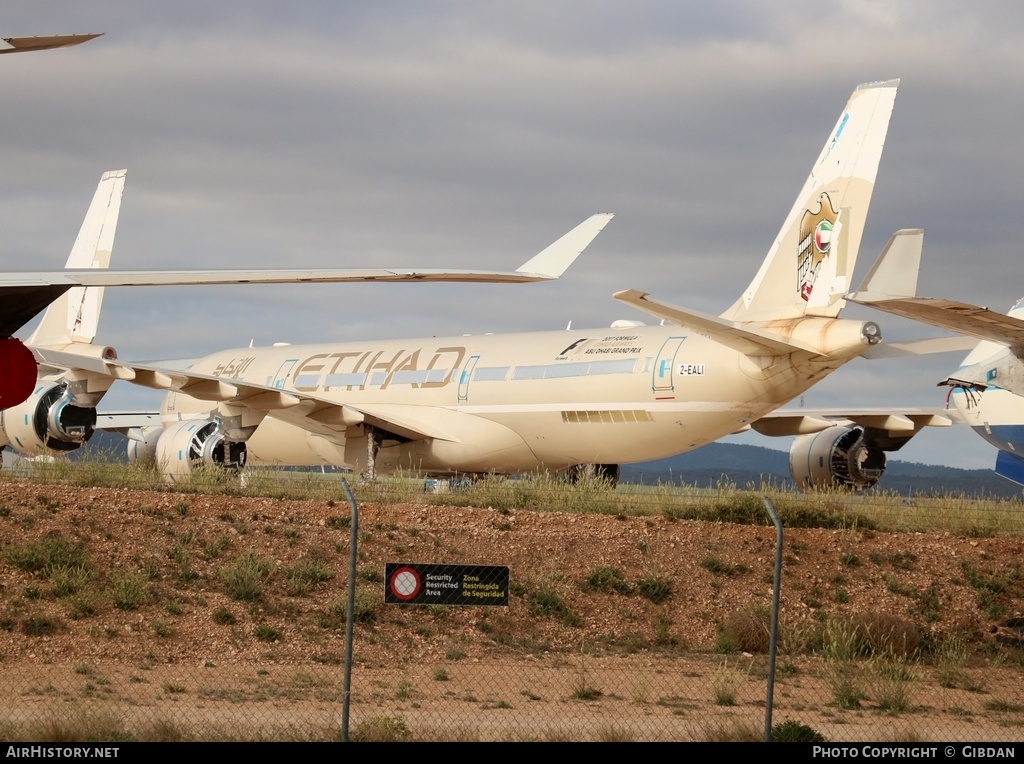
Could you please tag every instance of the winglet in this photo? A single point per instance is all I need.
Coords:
(896, 270)
(556, 259)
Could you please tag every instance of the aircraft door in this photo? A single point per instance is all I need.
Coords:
(467, 374)
(663, 375)
(282, 373)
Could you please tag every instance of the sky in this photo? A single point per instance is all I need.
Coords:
(472, 135)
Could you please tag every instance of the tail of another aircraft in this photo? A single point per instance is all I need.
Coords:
(809, 267)
(74, 317)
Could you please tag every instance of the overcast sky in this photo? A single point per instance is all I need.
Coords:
(471, 135)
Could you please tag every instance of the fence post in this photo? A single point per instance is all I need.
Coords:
(774, 631)
(350, 610)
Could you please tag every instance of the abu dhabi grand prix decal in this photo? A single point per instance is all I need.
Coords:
(816, 228)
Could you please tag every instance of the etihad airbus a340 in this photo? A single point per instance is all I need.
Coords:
(555, 400)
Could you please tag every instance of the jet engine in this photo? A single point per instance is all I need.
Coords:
(47, 421)
(838, 457)
(194, 443)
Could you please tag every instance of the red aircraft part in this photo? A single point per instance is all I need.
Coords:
(18, 372)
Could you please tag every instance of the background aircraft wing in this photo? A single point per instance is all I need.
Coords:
(963, 318)
(310, 412)
(25, 295)
(896, 423)
(44, 42)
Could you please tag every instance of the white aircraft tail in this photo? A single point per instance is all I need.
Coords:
(809, 267)
(74, 316)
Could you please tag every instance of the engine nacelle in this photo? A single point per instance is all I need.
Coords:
(47, 421)
(142, 444)
(190, 444)
(838, 457)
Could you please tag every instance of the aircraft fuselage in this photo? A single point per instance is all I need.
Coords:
(516, 402)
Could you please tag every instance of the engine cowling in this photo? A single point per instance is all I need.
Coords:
(47, 421)
(142, 444)
(839, 457)
(192, 444)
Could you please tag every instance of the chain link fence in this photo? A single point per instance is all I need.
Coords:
(140, 614)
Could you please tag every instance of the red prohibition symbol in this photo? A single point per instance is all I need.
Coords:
(405, 583)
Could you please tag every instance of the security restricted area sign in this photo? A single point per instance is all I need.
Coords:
(414, 583)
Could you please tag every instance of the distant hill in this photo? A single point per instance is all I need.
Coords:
(753, 465)
(741, 465)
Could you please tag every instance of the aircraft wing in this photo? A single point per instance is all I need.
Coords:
(44, 42)
(25, 295)
(963, 318)
(308, 411)
(895, 422)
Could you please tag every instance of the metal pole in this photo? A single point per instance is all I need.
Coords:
(774, 632)
(350, 610)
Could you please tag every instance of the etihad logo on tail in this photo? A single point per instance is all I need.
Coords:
(816, 228)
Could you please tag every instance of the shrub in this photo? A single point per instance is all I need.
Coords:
(39, 626)
(128, 589)
(655, 588)
(606, 578)
(791, 731)
(884, 634)
(306, 575)
(381, 729)
(39, 555)
(223, 616)
(745, 631)
(245, 577)
(266, 633)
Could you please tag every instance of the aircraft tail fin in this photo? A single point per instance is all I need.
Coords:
(74, 316)
(809, 266)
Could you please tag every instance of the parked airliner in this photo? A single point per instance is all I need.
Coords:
(557, 400)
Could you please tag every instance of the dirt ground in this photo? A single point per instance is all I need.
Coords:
(564, 623)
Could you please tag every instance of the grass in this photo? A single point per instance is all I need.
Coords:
(306, 575)
(246, 576)
(725, 684)
(128, 590)
(46, 554)
(877, 509)
(251, 598)
(747, 631)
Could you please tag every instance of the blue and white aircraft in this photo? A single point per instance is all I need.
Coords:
(987, 389)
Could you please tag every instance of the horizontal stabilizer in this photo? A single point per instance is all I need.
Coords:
(929, 346)
(744, 340)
